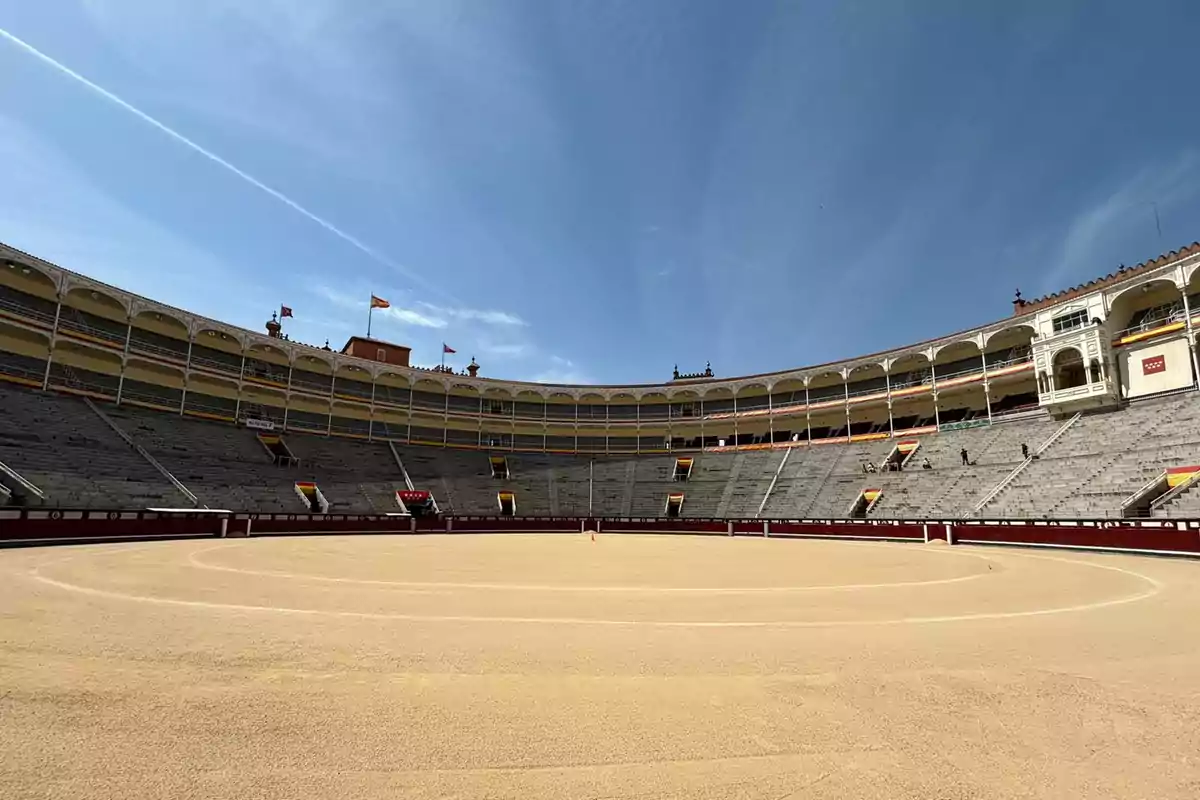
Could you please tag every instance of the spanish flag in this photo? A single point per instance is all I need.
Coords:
(379, 302)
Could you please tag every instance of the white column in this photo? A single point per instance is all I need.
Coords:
(124, 359)
(933, 382)
(445, 413)
(637, 447)
(408, 425)
(479, 437)
(237, 406)
(607, 423)
(807, 415)
(53, 339)
(987, 388)
(887, 378)
(332, 394)
(735, 419)
(371, 413)
(846, 393)
(1187, 310)
(287, 396)
(770, 418)
(187, 373)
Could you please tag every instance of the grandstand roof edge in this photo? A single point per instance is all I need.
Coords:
(1024, 316)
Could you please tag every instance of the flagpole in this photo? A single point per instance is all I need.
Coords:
(443, 356)
(370, 311)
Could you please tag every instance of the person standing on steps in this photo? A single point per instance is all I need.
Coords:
(966, 461)
(1024, 451)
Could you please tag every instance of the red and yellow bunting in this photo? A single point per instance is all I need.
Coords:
(1178, 475)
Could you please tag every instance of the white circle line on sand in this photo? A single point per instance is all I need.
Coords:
(1155, 587)
(195, 561)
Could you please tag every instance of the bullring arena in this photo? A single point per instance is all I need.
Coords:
(566, 665)
(242, 566)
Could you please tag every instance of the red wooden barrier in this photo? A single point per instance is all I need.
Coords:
(1112, 535)
(37, 526)
(66, 525)
(514, 524)
(654, 525)
(867, 530)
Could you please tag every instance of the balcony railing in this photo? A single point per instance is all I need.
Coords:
(22, 310)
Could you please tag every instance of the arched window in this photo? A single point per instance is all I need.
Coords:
(1069, 371)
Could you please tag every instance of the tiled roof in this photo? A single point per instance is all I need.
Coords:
(1024, 307)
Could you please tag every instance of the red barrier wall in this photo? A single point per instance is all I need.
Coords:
(503, 524)
(909, 530)
(35, 525)
(1115, 536)
(72, 525)
(664, 526)
(317, 523)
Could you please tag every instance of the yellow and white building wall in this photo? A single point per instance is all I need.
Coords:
(1122, 337)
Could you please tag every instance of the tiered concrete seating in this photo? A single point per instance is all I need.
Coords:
(1185, 504)
(750, 475)
(531, 478)
(223, 465)
(61, 446)
(845, 481)
(460, 480)
(355, 476)
(705, 487)
(1102, 459)
(950, 489)
(806, 468)
(653, 481)
(612, 487)
(571, 486)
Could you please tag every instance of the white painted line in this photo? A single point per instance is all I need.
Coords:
(1093, 548)
(194, 561)
(1155, 587)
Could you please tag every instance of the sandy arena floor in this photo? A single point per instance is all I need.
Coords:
(552, 666)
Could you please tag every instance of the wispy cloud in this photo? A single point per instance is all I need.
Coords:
(350, 239)
(507, 350)
(359, 303)
(409, 316)
(1090, 239)
(486, 316)
(560, 370)
(54, 210)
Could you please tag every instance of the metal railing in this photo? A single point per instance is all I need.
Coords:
(166, 473)
(18, 479)
(1004, 484)
(1173, 493)
(774, 479)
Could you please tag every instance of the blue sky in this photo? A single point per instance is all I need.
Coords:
(595, 191)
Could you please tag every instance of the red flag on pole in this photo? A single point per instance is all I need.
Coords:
(447, 348)
(284, 311)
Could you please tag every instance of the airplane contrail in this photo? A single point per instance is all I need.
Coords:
(216, 159)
